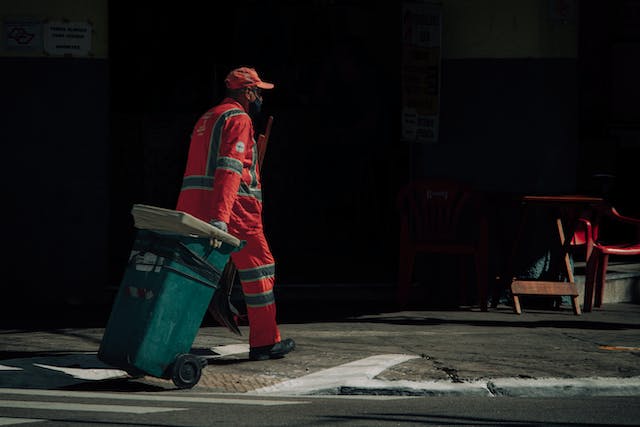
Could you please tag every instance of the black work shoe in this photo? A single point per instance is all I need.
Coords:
(275, 351)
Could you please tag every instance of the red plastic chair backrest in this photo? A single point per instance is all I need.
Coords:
(431, 210)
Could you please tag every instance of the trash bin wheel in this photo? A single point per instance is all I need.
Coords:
(186, 370)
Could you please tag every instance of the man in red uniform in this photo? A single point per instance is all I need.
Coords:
(221, 185)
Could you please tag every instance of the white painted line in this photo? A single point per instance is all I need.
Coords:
(339, 376)
(86, 407)
(9, 368)
(92, 374)
(146, 397)
(5, 421)
(227, 350)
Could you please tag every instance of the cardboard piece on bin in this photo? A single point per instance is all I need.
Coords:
(168, 220)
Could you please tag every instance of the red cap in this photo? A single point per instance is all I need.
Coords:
(245, 77)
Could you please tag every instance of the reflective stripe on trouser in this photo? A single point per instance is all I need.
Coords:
(256, 270)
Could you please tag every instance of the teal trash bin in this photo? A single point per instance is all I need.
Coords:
(162, 299)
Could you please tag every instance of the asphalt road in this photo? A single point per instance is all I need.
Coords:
(189, 408)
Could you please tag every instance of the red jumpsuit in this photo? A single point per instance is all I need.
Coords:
(222, 182)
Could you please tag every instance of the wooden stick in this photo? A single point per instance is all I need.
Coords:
(263, 140)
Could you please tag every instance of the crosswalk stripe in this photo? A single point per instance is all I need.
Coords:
(6, 421)
(147, 397)
(62, 406)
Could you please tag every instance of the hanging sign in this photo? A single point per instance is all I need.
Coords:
(67, 38)
(421, 35)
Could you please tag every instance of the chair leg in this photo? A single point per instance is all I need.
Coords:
(405, 274)
(463, 284)
(590, 279)
(482, 278)
(601, 279)
(516, 304)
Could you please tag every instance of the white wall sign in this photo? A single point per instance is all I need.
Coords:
(23, 35)
(67, 38)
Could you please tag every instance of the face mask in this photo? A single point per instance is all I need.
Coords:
(255, 107)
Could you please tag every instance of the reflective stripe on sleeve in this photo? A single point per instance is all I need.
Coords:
(230, 164)
(197, 182)
(201, 182)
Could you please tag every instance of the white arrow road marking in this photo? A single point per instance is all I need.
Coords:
(339, 376)
(146, 397)
(87, 407)
(227, 350)
(87, 373)
(56, 371)
(5, 421)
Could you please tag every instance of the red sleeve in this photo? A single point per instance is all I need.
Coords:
(230, 160)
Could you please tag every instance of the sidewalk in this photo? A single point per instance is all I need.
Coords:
(541, 352)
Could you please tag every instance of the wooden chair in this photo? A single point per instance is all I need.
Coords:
(433, 217)
(601, 246)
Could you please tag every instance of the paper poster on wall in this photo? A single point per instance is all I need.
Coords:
(67, 38)
(421, 41)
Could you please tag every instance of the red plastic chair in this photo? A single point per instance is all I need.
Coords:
(582, 236)
(599, 249)
(432, 220)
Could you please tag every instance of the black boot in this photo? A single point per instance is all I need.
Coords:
(275, 351)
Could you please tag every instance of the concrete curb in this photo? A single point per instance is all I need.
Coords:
(565, 387)
(498, 387)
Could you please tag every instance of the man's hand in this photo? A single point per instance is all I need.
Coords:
(219, 224)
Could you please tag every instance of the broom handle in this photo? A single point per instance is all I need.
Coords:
(263, 140)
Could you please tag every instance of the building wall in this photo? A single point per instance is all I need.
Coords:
(55, 132)
(509, 29)
(509, 97)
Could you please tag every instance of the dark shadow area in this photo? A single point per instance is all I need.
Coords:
(7, 355)
(443, 420)
(203, 352)
(557, 324)
(213, 358)
(118, 385)
(328, 311)
(68, 421)
(56, 316)
(227, 361)
(87, 338)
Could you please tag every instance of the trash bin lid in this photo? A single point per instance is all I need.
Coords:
(168, 220)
